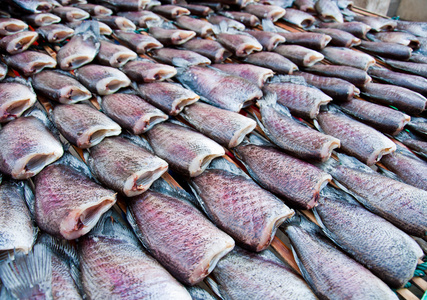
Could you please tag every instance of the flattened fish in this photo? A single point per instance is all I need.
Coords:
(94, 9)
(133, 5)
(419, 125)
(144, 70)
(268, 40)
(10, 26)
(339, 37)
(416, 28)
(104, 29)
(208, 48)
(240, 45)
(41, 19)
(299, 18)
(274, 61)
(18, 42)
(116, 22)
(300, 55)
(141, 18)
(32, 6)
(270, 12)
(178, 57)
(30, 62)
(313, 40)
(356, 76)
(419, 69)
(217, 19)
(417, 145)
(247, 19)
(55, 33)
(254, 74)
(15, 98)
(348, 57)
(377, 23)
(171, 36)
(357, 29)
(305, 5)
(328, 11)
(202, 28)
(197, 10)
(170, 11)
(389, 50)
(398, 37)
(114, 55)
(70, 13)
(140, 43)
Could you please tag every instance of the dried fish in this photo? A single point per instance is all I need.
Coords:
(274, 61)
(339, 37)
(9, 26)
(255, 74)
(141, 18)
(32, 6)
(18, 42)
(418, 125)
(170, 11)
(402, 38)
(316, 41)
(30, 62)
(305, 5)
(197, 10)
(299, 18)
(42, 19)
(55, 33)
(3, 70)
(140, 43)
(410, 67)
(178, 57)
(133, 5)
(202, 28)
(208, 48)
(170, 37)
(300, 55)
(328, 11)
(217, 19)
(377, 23)
(247, 19)
(70, 13)
(390, 50)
(348, 57)
(416, 28)
(240, 45)
(268, 40)
(357, 29)
(270, 12)
(144, 70)
(356, 76)
(114, 55)
(95, 10)
(116, 22)
(15, 98)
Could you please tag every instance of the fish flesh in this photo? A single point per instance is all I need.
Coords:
(342, 277)
(55, 33)
(305, 5)
(141, 18)
(208, 48)
(9, 26)
(102, 80)
(132, 112)
(348, 57)
(169, 37)
(292, 136)
(202, 28)
(365, 236)
(140, 43)
(357, 139)
(27, 146)
(219, 88)
(60, 86)
(114, 55)
(18, 42)
(389, 50)
(225, 127)
(187, 152)
(339, 37)
(15, 98)
(355, 76)
(245, 18)
(144, 70)
(299, 18)
(294, 180)
(402, 98)
(271, 60)
(269, 12)
(95, 10)
(402, 38)
(30, 62)
(240, 45)
(70, 13)
(255, 74)
(197, 10)
(179, 57)
(377, 23)
(268, 40)
(155, 214)
(328, 11)
(217, 19)
(416, 28)
(170, 11)
(124, 166)
(410, 67)
(82, 47)
(237, 205)
(358, 29)
(169, 97)
(82, 125)
(116, 22)
(299, 55)
(32, 6)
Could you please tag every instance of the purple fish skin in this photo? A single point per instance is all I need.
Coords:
(348, 57)
(70, 13)
(9, 26)
(170, 37)
(41, 19)
(419, 69)
(240, 45)
(95, 10)
(255, 74)
(416, 28)
(15, 98)
(208, 48)
(268, 40)
(269, 12)
(140, 18)
(168, 56)
(357, 29)
(340, 38)
(312, 40)
(402, 38)
(170, 11)
(328, 11)
(217, 19)
(63, 284)
(299, 18)
(156, 215)
(274, 61)
(111, 54)
(30, 62)
(116, 22)
(198, 10)
(237, 205)
(353, 75)
(140, 43)
(148, 71)
(388, 50)
(18, 42)
(55, 33)
(305, 5)
(300, 55)
(377, 23)
(202, 28)
(245, 18)
(295, 180)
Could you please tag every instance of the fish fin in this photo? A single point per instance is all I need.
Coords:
(338, 194)
(40, 113)
(216, 29)
(198, 293)
(76, 275)
(182, 63)
(196, 192)
(20, 80)
(223, 27)
(29, 275)
(160, 23)
(269, 256)
(137, 140)
(29, 197)
(352, 162)
(132, 222)
(328, 166)
(214, 286)
(257, 139)
(62, 248)
(5, 294)
(301, 221)
(305, 274)
(162, 186)
(70, 160)
(88, 29)
(221, 163)
(268, 25)
(270, 99)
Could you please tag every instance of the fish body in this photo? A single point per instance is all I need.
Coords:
(104, 29)
(140, 18)
(63, 284)
(9, 26)
(140, 43)
(55, 33)
(377, 23)
(355, 76)
(170, 11)
(70, 13)
(416, 28)
(388, 50)
(208, 48)
(340, 38)
(129, 5)
(328, 11)
(15, 98)
(170, 56)
(357, 29)
(148, 71)
(117, 22)
(255, 74)
(268, 40)
(111, 54)
(299, 18)
(240, 45)
(94, 9)
(41, 19)
(270, 12)
(169, 37)
(348, 57)
(30, 62)
(402, 38)
(3, 70)
(18, 42)
(312, 40)
(202, 28)
(305, 5)
(33, 6)
(245, 18)
(217, 19)
(274, 61)
(300, 55)
(419, 69)
(419, 125)
(198, 10)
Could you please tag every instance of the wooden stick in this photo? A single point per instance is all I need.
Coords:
(407, 294)
(285, 253)
(419, 282)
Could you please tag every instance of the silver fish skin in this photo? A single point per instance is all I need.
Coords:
(170, 11)
(116, 22)
(82, 47)
(339, 37)
(140, 43)
(419, 69)
(298, 18)
(247, 19)
(208, 48)
(328, 11)
(225, 127)
(341, 277)
(358, 29)
(402, 38)
(18, 232)
(124, 166)
(27, 146)
(197, 10)
(271, 60)
(132, 112)
(302, 100)
(169, 97)
(237, 205)
(416, 144)
(170, 56)
(33, 6)
(240, 45)
(114, 55)
(130, 5)
(217, 19)
(245, 275)
(155, 215)
(63, 285)
(268, 40)
(348, 57)
(270, 12)
(141, 18)
(186, 151)
(55, 33)
(70, 13)
(104, 29)
(30, 62)
(300, 55)
(255, 74)
(112, 260)
(202, 28)
(144, 70)
(312, 40)
(102, 80)
(416, 28)
(388, 50)
(68, 204)
(15, 98)
(9, 26)
(409, 168)
(94, 9)
(419, 125)
(293, 137)
(384, 119)
(18, 42)
(288, 177)
(170, 37)
(3, 70)
(198, 293)
(41, 19)
(219, 88)
(60, 87)
(82, 125)
(305, 5)
(402, 98)
(377, 23)
(355, 76)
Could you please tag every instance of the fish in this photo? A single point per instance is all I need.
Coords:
(298, 18)
(237, 205)
(104, 29)
(271, 60)
(9, 26)
(419, 125)
(399, 203)
(3, 70)
(170, 11)
(27, 146)
(132, 112)
(268, 40)
(302, 100)
(102, 80)
(130, 5)
(290, 178)
(377, 23)
(270, 12)
(339, 37)
(140, 43)
(384, 119)
(388, 50)
(312, 40)
(41, 19)
(419, 69)
(328, 11)
(197, 10)
(70, 13)
(341, 277)
(247, 19)
(218, 19)
(82, 125)
(15, 98)
(247, 275)
(365, 236)
(170, 97)
(219, 88)
(114, 55)
(187, 152)
(348, 57)
(299, 55)
(416, 28)
(18, 42)
(415, 143)
(144, 70)
(171, 36)
(202, 28)
(336, 88)
(198, 293)
(30, 62)
(18, 231)
(141, 18)
(178, 57)
(32, 6)
(82, 47)
(255, 74)
(355, 76)
(112, 260)
(402, 38)
(208, 48)
(161, 210)
(402, 98)
(116, 22)
(240, 45)
(358, 29)
(224, 127)
(94, 9)
(292, 136)
(55, 33)
(305, 5)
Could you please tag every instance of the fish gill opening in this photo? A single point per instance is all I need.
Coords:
(37, 162)
(97, 136)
